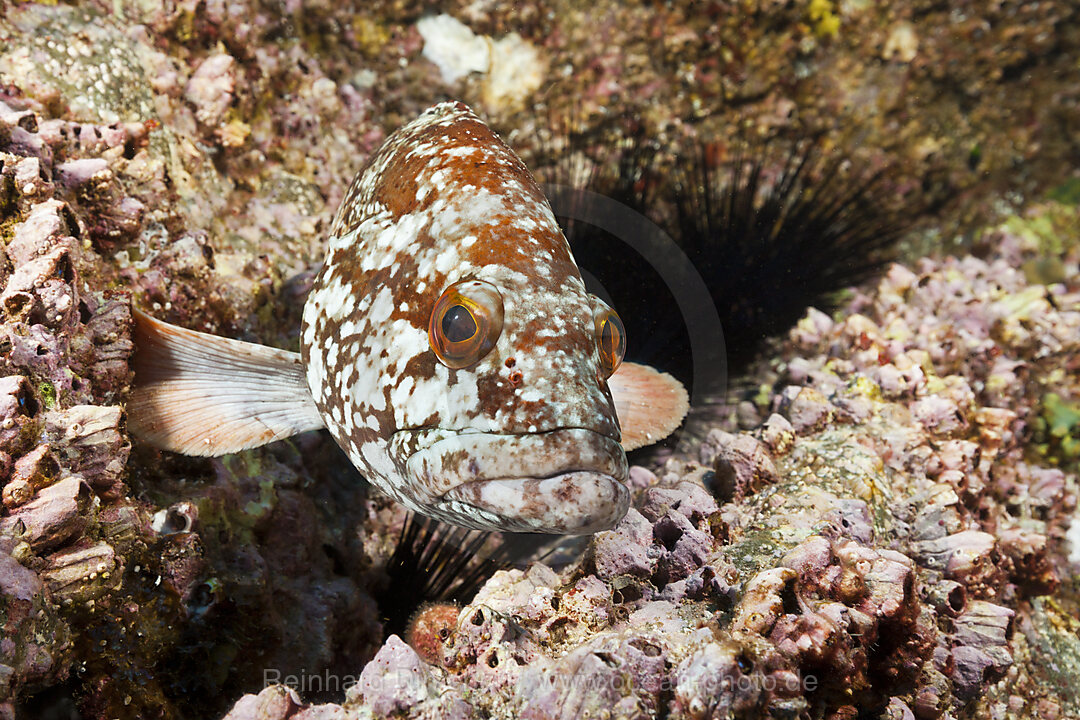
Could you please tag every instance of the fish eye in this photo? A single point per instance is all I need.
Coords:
(610, 337)
(465, 323)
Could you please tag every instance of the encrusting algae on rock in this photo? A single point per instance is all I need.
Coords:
(897, 441)
(101, 605)
(891, 560)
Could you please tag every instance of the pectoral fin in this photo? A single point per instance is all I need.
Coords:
(200, 394)
(650, 404)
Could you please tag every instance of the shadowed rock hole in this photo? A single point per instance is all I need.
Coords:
(28, 123)
(791, 602)
(646, 647)
(49, 467)
(628, 593)
(84, 313)
(70, 220)
(493, 660)
(16, 303)
(957, 599)
(28, 404)
(478, 618)
(559, 629)
(64, 269)
(667, 533)
(202, 597)
(744, 663)
(57, 703)
(42, 350)
(336, 560)
(555, 602)
(607, 658)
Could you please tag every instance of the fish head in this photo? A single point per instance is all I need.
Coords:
(451, 346)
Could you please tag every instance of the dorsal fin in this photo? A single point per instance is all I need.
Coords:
(200, 394)
(650, 404)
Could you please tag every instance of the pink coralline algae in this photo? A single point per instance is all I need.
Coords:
(880, 529)
(63, 369)
(872, 544)
(78, 548)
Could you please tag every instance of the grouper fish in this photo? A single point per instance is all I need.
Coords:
(448, 344)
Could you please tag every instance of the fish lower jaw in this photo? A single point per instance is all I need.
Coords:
(568, 481)
(577, 502)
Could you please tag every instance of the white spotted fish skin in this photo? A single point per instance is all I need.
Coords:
(526, 438)
(446, 200)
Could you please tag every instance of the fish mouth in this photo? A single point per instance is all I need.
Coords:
(569, 481)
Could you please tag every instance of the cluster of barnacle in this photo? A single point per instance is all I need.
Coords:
(84, 558)
(940, 373)
(867, 546)
(65, 525)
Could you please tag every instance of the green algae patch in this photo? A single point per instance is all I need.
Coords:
(1067, 193)
(820, 475)
(1054, 638)
(756, 551)
(1057, 431)
(48, 394)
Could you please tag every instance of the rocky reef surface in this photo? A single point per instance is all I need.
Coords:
(881, 528)
(887, 538)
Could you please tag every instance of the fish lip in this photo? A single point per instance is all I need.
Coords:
(566, 480)
(464, 457)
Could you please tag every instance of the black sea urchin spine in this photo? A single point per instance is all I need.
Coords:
(436, 563)
(775, 236)
(772, 227)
